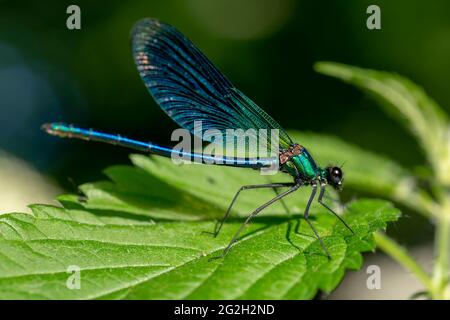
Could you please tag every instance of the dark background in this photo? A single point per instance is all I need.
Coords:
(265, 47)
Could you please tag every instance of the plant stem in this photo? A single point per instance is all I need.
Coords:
(399, 254)
(442, 242)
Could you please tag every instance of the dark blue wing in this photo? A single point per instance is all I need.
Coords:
(188, 87)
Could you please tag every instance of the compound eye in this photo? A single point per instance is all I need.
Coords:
(336, 175)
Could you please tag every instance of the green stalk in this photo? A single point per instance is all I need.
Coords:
(399, 254)
(441, 265)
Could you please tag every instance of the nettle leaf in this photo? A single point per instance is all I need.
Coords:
(170, 260)
(407, 102)
(141, 234)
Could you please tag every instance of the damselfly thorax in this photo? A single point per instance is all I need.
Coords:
(297, 162)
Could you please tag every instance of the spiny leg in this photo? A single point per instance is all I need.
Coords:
(220, 223)
(282, 202)
(322, 192)
(306, 215)
(253, 214)
(288, 212)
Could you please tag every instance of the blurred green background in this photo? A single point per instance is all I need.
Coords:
(265, 47)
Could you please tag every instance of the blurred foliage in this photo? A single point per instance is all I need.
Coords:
(410, 104)
(21, 185)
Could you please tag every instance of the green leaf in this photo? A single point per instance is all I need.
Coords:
(170, 260)
(408, 102)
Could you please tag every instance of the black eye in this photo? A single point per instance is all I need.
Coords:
(336, 175)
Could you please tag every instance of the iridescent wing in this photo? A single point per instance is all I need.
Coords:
(188, 87)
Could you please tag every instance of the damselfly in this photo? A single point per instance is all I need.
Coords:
(189, 88)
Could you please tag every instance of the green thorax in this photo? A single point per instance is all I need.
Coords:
(303, 165)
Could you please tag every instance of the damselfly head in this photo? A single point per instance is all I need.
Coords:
(334, 177)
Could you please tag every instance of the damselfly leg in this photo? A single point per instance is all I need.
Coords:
(293, 188)
(306, 216)
(322, 192)
(220, 223)
(283, 203)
